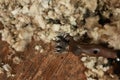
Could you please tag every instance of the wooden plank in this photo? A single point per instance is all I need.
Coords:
(42, 66)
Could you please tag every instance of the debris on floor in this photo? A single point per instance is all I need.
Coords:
(42, 20)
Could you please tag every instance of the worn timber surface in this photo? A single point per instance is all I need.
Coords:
(41, 66)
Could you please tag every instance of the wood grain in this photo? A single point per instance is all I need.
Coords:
(42, 66)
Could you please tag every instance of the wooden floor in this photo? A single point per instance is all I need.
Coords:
(42, 66)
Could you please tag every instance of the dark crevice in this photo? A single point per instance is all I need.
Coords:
(103, 20)
(117, 68)
(74, 27)
(53, 21)
(104, 44)
(85, 38)
(87, 14)
(99, 11)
